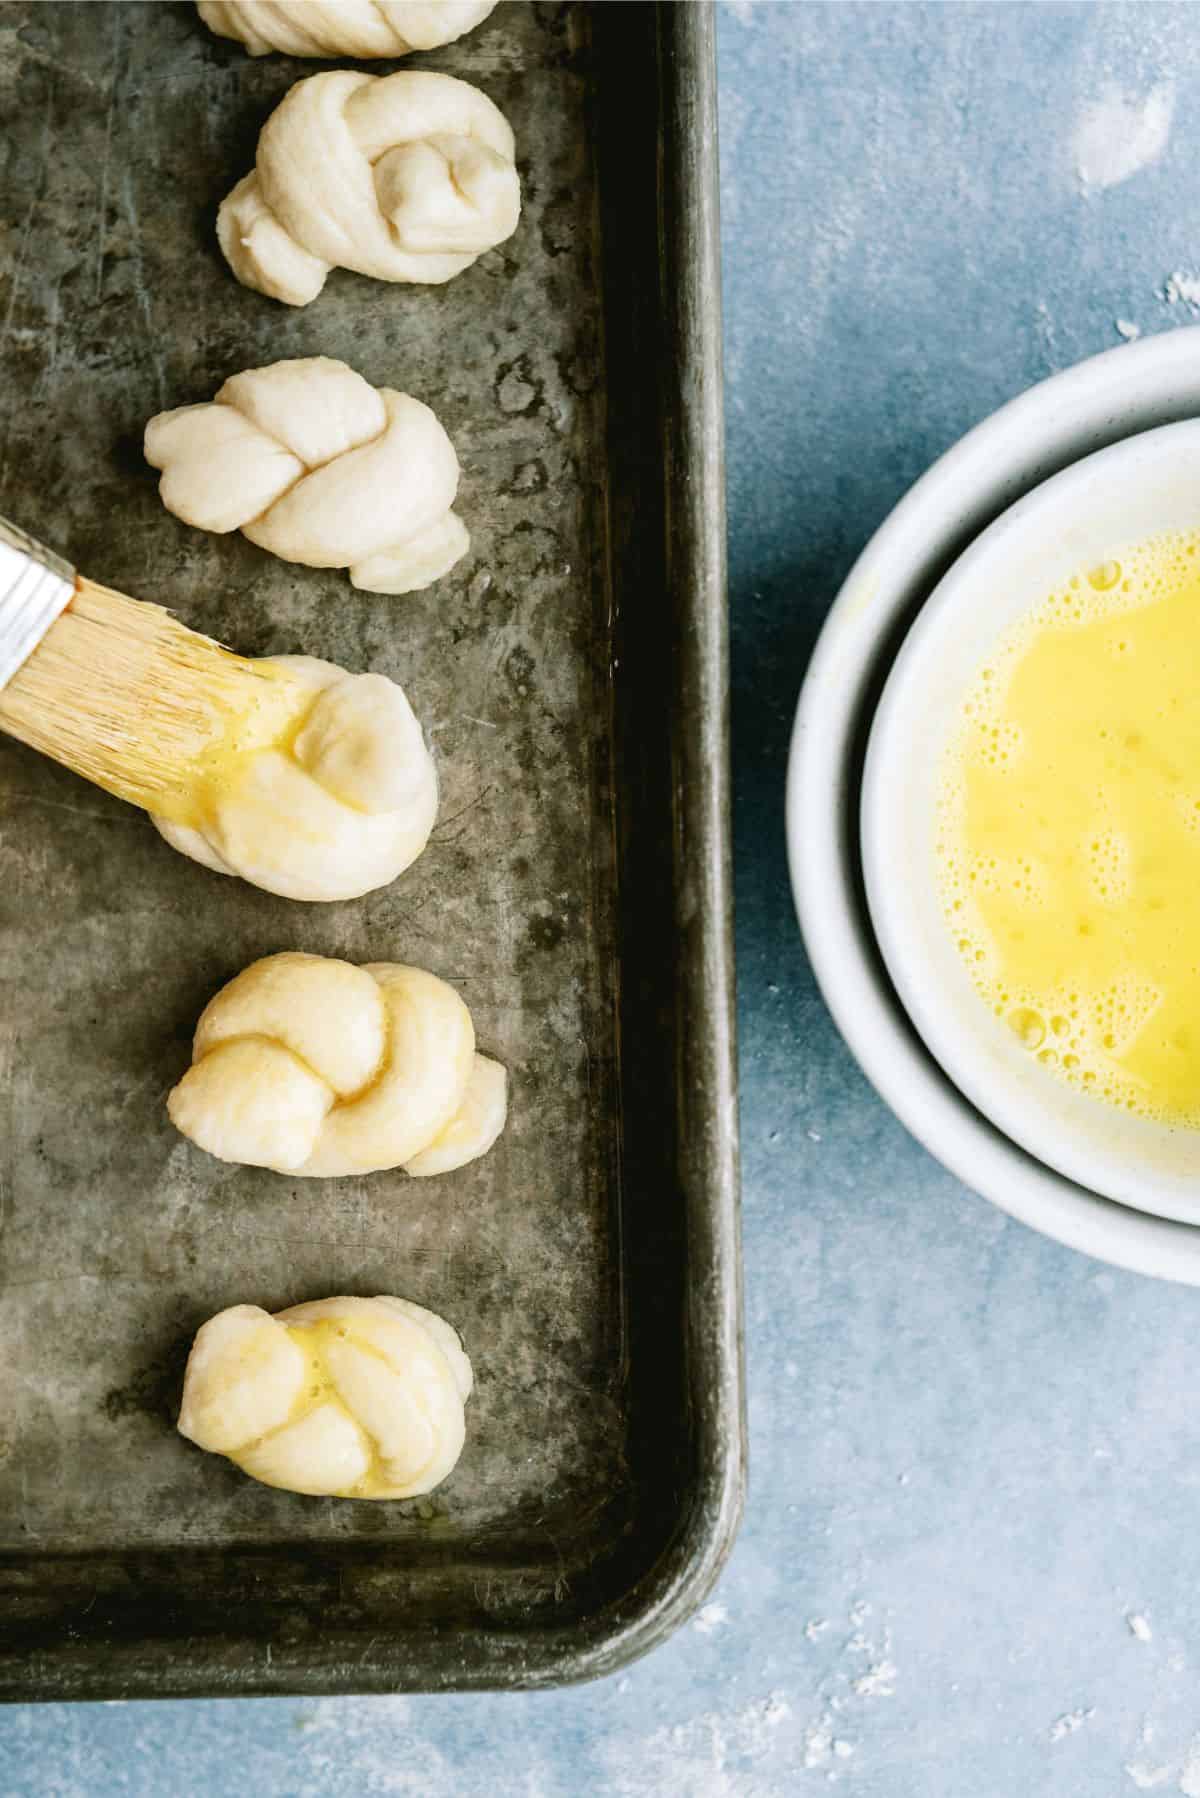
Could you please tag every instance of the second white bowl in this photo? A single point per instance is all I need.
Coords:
(1084, 516)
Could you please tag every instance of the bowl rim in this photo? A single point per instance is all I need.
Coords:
(1158, 1172)
(1102, 400)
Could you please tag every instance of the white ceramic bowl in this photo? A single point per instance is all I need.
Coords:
(1135, 388)
(1089, 514)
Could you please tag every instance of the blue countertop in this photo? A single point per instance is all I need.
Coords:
(970, 1566)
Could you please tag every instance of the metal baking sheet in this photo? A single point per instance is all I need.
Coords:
(571, 675)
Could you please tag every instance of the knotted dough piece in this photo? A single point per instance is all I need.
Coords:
(345, 1397)
(406, 177)
(360, 28)
(340, 803)
(316, 1067)
(311, 462)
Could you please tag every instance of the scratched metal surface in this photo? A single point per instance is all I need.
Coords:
(124, 125)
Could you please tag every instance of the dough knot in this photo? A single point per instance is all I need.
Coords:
(315, 1067)
(406, 177)
(314, 464)
(344, 1397)
(338, 804)
(361, 28)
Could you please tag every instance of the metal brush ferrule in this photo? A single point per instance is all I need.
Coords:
(35, 587)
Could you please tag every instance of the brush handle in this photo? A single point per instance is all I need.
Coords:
(35, 586)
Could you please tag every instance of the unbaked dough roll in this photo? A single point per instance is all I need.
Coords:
(406, 177)
(339, 805)
(341, 1398)
(311, 462)
(315, 1067)
(362, 28)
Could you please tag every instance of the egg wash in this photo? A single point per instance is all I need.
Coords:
(1068, 831)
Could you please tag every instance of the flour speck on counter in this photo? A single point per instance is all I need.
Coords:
(1118, 135)
(1069, 1723)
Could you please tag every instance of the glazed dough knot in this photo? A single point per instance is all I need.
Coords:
(405, 177)
(316, 1067)
(311, 462)
(340, 804)
(345, 1397)
(360, 28)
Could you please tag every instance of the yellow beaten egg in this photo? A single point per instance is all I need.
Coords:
(1068, 840)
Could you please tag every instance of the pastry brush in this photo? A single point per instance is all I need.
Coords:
(120, 691)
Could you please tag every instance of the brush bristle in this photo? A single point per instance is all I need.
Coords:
(123, 693)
